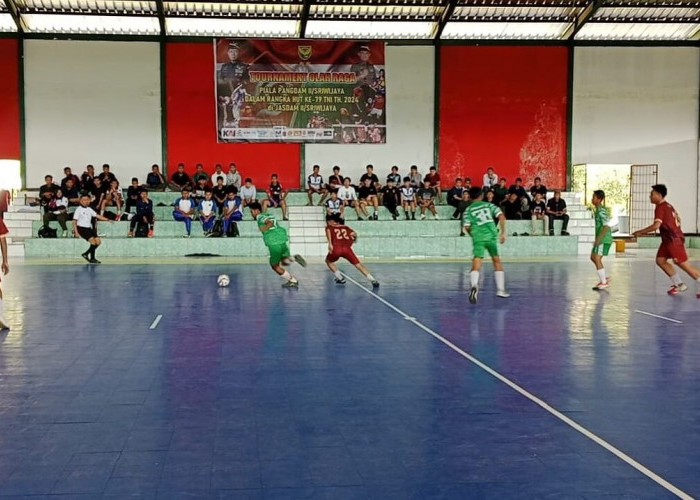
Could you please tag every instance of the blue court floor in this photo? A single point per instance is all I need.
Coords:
(327, 392)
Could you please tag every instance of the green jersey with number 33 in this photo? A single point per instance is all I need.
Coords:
(480, 217)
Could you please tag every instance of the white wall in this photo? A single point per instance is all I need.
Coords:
(91, 102)
(640, 105)
(410, 82)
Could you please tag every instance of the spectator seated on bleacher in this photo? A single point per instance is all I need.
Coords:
(512, 207)
(200, 189)
(200, 174)
(106, 176)
(394, 176)
(248, 193)
(69, 175)
(155, 180)
(207, 212)
(348, 195)
(233, 178)
(180, 180)
(538, 187)
(335, 181)
(218, 172)
(538, 213)
(408, 198)
(490, 197)
(490, 179)
(433, 178)
(426, 199)
(56, 208)
(276, 196)
(369, 174)
(315, 185)
(48, 190)
(519, 190)
(415, 178)
(233, 209)
(72, 193)
(556, 210)
(144, 215)
(87, 180)
(457, 197)
(500, 191)
(367, 195)
(112, 197)
(391, 196)
(334, 205)
(97, 193)
(184, 210)
(133, 195)
(219, 192)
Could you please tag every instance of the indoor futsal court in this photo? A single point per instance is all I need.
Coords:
(150, 381)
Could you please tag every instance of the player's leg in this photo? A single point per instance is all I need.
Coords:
(94, 243)
(474, 273)
(693, 272)
(277, 259)
(350, 256)
(331, 260)
(310, 194)
(597, 254)
(499, 272)
(665, 253)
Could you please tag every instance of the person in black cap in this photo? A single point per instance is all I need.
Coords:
(365, 70)
(233, 72)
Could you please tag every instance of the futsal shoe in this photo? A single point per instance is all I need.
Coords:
(291, 284)
(676, 289)
(602, 286)
(375, 284)
(503, 294)
(85, 256)
(300, 260)
(340, 281)
(473, 295)
(95, 261)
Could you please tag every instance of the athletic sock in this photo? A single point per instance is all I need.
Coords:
(91, 251)
(287, 276)
(474, 278)
(500, 280)
(601, 275)
(370, 277)
(338, 275)
(676, 279)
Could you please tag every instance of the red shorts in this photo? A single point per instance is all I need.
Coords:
(345, 253)
(674, 249)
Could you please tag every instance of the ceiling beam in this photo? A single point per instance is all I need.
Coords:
(15, 14)
(446, 15)
(304, 18)
(582, 19)
(160, 9)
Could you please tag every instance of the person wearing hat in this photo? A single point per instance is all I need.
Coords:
(233, 72)
(365, 70)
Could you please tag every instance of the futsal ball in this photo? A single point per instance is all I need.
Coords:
(223, 280)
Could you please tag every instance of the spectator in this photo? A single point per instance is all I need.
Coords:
(71, 193)
(200, 189)
(426, 199)
(57, 209)
(200, 174)
(538, 213)
(456, 197)
(556, 210)
(467, 186)
(219, 192)
(348, 195)
(519, 190)
(97, 193)
(133, 195)
(106, 176)
(334, 205)
(144, 214)
(276, 196)
(511, 207)
(232, 208)
(335, 181)
(538, 187)
(368, 196)
(248, 192)
(180, 180)
(391, 197)
(48, 190)
(500, 192)
(433, 178)
(233, 178)
(218, 172)
(490, 179)
(416, 179)
(155, 180)
(408, 198)
(87, 179)
(315, 186)
(113, 196)
(490, 197)
(369, 174)
(184, 210)
(394, 176)
(69, 175)
(207, 212)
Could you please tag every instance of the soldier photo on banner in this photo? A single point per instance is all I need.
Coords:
(300, 91)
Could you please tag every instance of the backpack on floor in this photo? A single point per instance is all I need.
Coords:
(233, 230)
(141, 230)
(217, 231)
(47, 232)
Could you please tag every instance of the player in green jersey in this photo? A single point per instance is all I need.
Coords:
(603, 238)
(479, 222)
(275, 238)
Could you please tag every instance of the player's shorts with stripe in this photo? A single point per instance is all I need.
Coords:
(277, 253)
(86, 233)
(674, 249)
(603, 249)
(481, 247)
(345, 253)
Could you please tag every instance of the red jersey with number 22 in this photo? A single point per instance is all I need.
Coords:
(670, 228)
(341, 236)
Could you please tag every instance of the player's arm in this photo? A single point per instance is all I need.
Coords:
(599, 237)
(328, 237)
(75, 228)
(502, 227)
(267, 225)
(649, 229)
(3, 248)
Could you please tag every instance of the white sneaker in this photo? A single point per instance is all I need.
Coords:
(681, 287)
(64, 233)
(601, 286)
(437, 217)
(503, 294)
(422, 216)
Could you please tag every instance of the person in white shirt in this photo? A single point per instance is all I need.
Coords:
(184, 210)
(248, 192)
(218, 173)
(207, 213)
(347, 194)
(490, 179)
(233, 178)
(56, 209)
(83, 228)
(315, 185)
(408, 198)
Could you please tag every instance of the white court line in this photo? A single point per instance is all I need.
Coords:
(156, 321)
(571, 423)
(660, 317)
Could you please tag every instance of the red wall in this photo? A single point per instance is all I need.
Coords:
(9, 100)
(191, 123)
(503, 107)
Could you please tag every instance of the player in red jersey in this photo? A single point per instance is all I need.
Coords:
(667, 221)
(340, 240)
(5, 269)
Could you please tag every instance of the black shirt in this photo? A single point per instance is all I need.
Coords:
(71, 194)
(86, 181)
(133, 192)
(556, 206)
(394, 177)
(107, 177)
(52, 188)
(371, 177)
(391, 193)
(455, 191)
(276, 191)
(219, 194)
(153, 179)
(542, 190)
(426, 193)
(144, 208)
(367, 191)
(511, 210)
(181, 179)
(335, 181)
(538, 207)
(519, 190)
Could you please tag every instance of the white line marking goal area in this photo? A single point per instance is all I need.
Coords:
(156, 321)
(543, 404)
(677, 321)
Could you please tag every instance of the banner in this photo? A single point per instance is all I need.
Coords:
(322, 91)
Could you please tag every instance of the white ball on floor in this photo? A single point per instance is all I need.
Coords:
(223, 280)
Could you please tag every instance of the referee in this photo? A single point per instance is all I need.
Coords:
(82, 227)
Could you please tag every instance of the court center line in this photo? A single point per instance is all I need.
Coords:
(568, 421)
(156, 321)
(658, 316)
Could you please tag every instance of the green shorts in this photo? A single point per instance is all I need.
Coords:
(481, 246)
(601, 249)
(277, 253)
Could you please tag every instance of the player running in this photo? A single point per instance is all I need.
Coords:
(479, 222)
(275, 238)
(340, 240)
(603, 238)
(668, 222)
